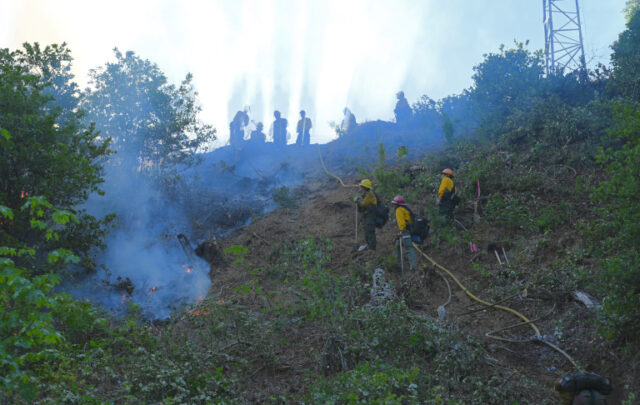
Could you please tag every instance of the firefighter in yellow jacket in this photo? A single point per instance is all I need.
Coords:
(367, 203)
(404, 218)
(447, 195)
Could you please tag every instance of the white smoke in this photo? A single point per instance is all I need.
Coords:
(317, 55)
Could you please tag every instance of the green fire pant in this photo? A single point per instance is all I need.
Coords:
(407, 247)
(370, 231)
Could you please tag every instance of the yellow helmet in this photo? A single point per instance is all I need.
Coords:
(366, 183)
(448, 172)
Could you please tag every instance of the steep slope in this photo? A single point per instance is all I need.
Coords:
(326, 212)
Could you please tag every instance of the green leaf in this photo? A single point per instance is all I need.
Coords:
(63, 217)
(6, 212)
(5, 134)
(62, 254)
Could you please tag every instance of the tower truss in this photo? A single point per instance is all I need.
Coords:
(563, 46)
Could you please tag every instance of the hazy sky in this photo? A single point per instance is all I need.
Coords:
(318, 55)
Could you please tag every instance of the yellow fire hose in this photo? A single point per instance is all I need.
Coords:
(331, 174)
(537, 337)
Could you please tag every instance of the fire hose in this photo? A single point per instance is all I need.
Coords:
(537, 338)
(331, 174)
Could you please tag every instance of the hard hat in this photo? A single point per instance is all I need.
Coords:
(448, 172)
(399, 200)
(366, 183)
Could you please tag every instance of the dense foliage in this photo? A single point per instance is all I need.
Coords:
(29, 337)
(46, 150)
(618, 228)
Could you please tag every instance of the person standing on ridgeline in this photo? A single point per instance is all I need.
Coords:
(404, 218)
(348, 122)
(236, 127)
(402, 111)
(447, 195)
(258, 137)
(303, 129)
(279, 129)
(367, 203)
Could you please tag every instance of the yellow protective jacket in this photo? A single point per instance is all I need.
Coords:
(446, 185)
(403, 218)
(368, 201)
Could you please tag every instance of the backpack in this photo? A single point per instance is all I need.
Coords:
(382, 213)
(584, 381)
(589, 397)
(452, 196)
(418, 228)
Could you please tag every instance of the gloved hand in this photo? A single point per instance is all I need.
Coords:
(356, 199)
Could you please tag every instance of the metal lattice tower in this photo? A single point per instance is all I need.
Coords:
(563, 48)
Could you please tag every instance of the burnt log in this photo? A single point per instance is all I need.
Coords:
(188, 250)
(122, 284)
(210, 251)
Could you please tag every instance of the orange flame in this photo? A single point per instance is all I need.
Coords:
(220, 301)
(23, 194)
(199, 299)
(188, 270)
(124, 298)
(153, 289)
(197, 312)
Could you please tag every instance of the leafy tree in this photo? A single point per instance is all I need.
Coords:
(28, 335)
(152, 124)
(458, 110)
(447, 128)
(619, 226)
(44, 148)
(505, 82)
(625, 59)
(425, 114)
(631, 8)
(53, 66)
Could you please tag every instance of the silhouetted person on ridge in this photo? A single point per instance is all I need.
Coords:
(402, 111)
(348, 122)
(279, 129)
(303, 129)
(237, 125)
(258, 137)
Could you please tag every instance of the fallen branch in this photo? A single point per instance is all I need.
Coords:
(498, 257)
(237, 342)
(261, 238)
(505, 256)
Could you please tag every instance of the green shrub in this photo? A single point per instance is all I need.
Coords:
(368, 384)
(553, 216)
(617, 232)
(284, 198)
(508, 211)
